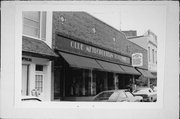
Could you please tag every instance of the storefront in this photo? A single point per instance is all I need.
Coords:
(148, 76)
(36, 68)
(84, 69)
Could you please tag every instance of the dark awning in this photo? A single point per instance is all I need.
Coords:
(81, 62)
(37, 48)
(130, 70)
(110, 67)
(146, 73)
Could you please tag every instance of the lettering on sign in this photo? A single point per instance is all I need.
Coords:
(137, 59)
(26, 59)
(99, 52)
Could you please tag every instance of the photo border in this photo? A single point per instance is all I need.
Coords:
(18, 106)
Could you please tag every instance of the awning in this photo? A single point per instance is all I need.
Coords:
(37, 48)
(146, 73)
(130, 70)
(81, 62)
(111, 67)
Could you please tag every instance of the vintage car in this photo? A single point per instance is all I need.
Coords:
(117, 96)
(147, 93)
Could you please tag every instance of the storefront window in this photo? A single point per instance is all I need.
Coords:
(84, 82)
(87, 82)
(110, 81)
(99, 78)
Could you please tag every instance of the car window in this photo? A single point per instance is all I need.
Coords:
(143, 91)
(122, 95)
(103, 96)
(129, 94)
(113, 97)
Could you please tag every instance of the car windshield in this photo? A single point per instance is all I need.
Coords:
(103, 96)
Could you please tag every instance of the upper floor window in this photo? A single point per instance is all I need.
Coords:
(156, 57)
(153, 55)
(149, 54)
(34, 24)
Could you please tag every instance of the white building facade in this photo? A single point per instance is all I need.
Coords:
(148, 41)
(37, 55)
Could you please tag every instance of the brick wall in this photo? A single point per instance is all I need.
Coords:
(81, 25)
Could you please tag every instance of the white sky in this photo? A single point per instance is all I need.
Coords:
(137, 17)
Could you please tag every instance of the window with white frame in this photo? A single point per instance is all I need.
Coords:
(149, 54)
(153, 55)
(156, 57)
(39, 78)
(34, 24)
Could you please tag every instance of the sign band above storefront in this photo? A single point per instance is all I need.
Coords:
(88, 50)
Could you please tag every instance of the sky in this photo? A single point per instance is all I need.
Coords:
(137, 17)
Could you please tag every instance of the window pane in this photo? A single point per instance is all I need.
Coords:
(129, 94)
(31, 23)
(30, 31)
(39, 83)
(122, 95)
(153, 54)
(39, 67)
(149, 53)
(32, 15)
(43, 26)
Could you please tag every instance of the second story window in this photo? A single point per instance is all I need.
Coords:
(153, 55)
(156, 57)
(149, 54)
(34, 24)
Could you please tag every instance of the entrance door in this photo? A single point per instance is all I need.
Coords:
(25, 78)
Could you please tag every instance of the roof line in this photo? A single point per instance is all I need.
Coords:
(105, 24)
(135, 37)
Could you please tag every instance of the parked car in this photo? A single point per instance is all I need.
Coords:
(117, 96)
(30, 98)
(147, 93)
(155, 89)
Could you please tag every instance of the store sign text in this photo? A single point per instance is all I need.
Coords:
(26, 59)
(98, 51)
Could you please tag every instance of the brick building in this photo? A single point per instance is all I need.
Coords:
(149, 42)
(74, 56)
(93, 57)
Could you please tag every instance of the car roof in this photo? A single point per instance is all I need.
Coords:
(119, 90)
(143, 88)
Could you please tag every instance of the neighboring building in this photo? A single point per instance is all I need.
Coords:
(148, 41)
(74, 56)
(93, 57)
(37, 54)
